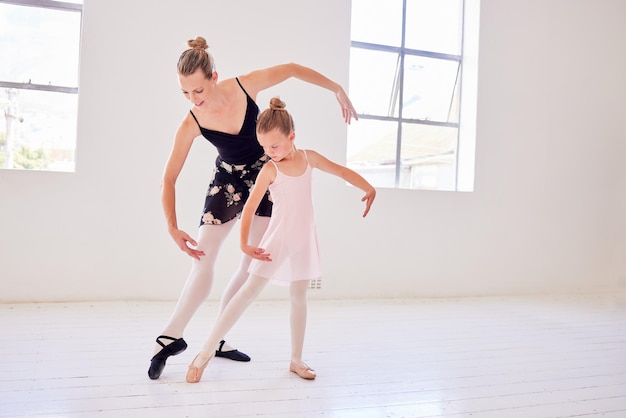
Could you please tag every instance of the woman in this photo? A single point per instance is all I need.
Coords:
(224, 112)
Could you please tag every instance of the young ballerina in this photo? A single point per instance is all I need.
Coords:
(288, 252)
(224, 112)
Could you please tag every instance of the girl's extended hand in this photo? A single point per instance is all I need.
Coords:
(369, 197)
(185, 243)
(346, 106)
(255, 252)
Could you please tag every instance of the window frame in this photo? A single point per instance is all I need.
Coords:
(47, 4)
(61, 6)
(402, 52)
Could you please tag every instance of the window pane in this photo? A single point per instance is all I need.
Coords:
(407, 80)
(39, 130)
(428, 156)
(429, 88)
(373, 87)
(39, 45)
(434, 25)
(377, 22)
(372, 151)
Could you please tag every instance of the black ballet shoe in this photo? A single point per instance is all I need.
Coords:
(231, 354)
(157, 363)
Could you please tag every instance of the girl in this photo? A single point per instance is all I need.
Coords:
(288, 252)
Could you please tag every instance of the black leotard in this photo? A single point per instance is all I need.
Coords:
(240, 158)
(242, 148)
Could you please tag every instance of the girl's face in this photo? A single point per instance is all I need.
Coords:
(276, 144)
(195, 87)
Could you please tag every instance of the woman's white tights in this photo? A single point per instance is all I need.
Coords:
(200, 279)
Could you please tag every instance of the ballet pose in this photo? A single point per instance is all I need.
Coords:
(288, 251)
(224, 112)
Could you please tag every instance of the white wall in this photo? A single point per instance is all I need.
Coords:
(546, 214)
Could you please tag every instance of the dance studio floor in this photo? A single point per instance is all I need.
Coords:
(496, 357)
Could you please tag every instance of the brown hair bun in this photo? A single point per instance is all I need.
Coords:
(198, 43)
(277, 104)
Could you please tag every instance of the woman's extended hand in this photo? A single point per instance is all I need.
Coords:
(185, 243)
(369, 197)
(255, 252)
(346, 106)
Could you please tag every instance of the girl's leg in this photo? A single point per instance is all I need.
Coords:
(297, 295)
(200, 279)
(257, 229)
(233, 311)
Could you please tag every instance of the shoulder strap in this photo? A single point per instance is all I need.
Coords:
(244, 90)
(194, 118)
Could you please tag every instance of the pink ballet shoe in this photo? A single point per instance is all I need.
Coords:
(194, 374)
(302, 370)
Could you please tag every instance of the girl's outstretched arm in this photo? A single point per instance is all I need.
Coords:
(317, 160)
(259, 80)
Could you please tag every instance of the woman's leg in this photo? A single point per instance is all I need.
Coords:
(200, 279)
(233, 311)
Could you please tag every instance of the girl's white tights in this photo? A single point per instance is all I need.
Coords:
(200, 279)
(238, 304)
(298, 314)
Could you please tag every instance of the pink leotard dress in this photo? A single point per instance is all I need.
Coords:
(291, 236)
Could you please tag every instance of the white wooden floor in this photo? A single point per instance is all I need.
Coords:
(481, 357)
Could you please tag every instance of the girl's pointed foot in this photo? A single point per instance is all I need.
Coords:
(302, 370)
(194, 372)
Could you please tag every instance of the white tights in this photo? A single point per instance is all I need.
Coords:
(200, 279)
(242, 299)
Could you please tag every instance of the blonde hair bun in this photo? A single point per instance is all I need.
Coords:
(277, 104)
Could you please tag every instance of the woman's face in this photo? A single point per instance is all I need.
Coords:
(276, 144)
(196, 86)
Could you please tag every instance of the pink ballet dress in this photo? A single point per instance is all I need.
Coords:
(291, 236)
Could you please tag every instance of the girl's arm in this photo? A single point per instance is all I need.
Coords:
(317, 160)
(182, 143)
(259, 80)
(263, 180)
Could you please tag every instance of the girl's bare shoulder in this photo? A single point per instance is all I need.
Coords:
(268, 171)
(313, 156)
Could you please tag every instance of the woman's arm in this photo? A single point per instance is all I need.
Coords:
(317, 160)
(259, 80)
(182, 144)
(263, 181)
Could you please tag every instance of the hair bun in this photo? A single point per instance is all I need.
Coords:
(277, 104)
(198, 43)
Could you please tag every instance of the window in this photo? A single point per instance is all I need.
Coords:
(412, 81)
(39, 49)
